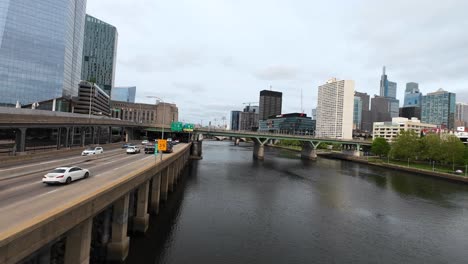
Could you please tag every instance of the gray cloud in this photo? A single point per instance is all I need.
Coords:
(277, 72)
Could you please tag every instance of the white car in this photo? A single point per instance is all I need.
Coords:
(144, 142)
(133, 150)
(65, 175)
(92, 151)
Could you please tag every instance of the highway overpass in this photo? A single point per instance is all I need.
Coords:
(122, 191)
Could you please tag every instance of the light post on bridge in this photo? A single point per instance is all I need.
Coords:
(158, 101)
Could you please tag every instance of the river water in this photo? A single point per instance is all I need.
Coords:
(233, 209)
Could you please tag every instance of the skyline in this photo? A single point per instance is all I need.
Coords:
(227, 52)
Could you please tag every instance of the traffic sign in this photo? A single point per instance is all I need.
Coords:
(162, 144)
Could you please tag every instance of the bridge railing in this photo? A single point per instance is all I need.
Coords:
(298, 135)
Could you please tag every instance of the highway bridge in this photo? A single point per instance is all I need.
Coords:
(309, 143)
(70, 127)
(37, 221)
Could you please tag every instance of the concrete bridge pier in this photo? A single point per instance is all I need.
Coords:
(155, 194)
(20, 141)
(66, 141)
(236, 141)
(141, 220)
(196, 150)
(164, 184)
(309, 151)
(78, 243)
(109, 135)
(170, 177)
(128, 134)
(83, 136)
(117, 249)
(259, 148)
(352, 150)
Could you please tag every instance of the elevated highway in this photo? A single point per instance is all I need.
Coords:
(70, 127)
(122, 189)
(309, 143)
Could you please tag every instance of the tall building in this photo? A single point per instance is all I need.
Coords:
(41, 46)
(99, 53)
(412, 95)
(357, 113)
(366, 116)
(387, 88)
(410, 112)
(293, 123)
(235, 120)
(335, 109)
(314, 114)
(438, 108)
(461, 114)
(124, 94)
(270, 104)
(248, 119)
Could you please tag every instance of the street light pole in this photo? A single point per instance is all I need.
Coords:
(163, 119)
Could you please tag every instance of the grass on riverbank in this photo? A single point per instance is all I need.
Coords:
(419, 165)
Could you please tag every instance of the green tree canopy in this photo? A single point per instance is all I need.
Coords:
(406, 145)
(380, 147)
(453, 150)
(431, 147)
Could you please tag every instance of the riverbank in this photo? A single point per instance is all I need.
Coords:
(335, 155)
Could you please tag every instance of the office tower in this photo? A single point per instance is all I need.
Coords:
(124, 94)
(357, 113)
(335, 103)
(387, 88)
(235, 120)
(99, 53)
(270, 104)
(412, 95)
(461, 115)
(41, 46)
(366, 117)
(380, 109)
(438, 108)
(410, 112)
(248, 121)
(314, 114)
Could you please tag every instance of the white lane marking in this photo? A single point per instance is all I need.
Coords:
(45, 162)
(118, 168)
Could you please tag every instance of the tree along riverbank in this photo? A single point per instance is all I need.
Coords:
(373, 161)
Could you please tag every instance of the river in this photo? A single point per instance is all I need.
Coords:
(233, 209)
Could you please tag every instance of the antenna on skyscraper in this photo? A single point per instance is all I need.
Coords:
(270, 88)
(302, 108)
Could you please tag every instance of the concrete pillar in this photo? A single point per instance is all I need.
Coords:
(117, 249)
(72, 137)
(155, 193)
(78, 243)
(164, 184)
(171, 176)
(308, 151)
(83, 137)
(109, 135)
(66, 143)
(20, 140)
(140, 221)
(128, 134)
(196, 149)
(59, 137)
(259, 150)
(93, 135)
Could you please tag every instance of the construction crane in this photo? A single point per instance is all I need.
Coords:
(249, 103)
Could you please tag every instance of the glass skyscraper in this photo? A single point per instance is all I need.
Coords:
(124, 94)
(387, 88)
(357, 113)
(438, 108)
(99, 53)
(41, 44)
(412, 95)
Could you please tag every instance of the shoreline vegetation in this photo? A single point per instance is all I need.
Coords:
(426, 169)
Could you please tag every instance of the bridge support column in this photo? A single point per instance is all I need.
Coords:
(20, 141)
(78, 243)
(155, 192)
(66, 142)
(171, 177)
(196, 150)
(140, 221)
(259, 148)
(128, 134)
(309, 151)
(109, 135)
(59, 137)
(117, 249)
(164, 184)
(83, 137)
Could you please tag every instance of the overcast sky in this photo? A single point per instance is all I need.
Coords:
(211, 56)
